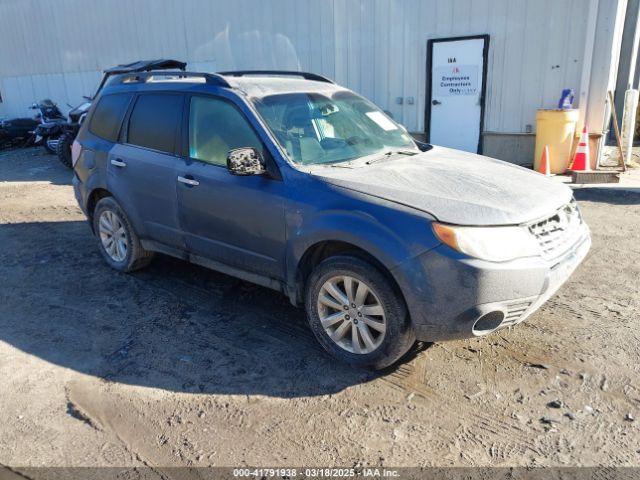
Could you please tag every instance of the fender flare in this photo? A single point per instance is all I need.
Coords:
(353, 227)
(94, 184)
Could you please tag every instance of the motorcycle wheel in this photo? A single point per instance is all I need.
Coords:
(51, 145)
(64, 149)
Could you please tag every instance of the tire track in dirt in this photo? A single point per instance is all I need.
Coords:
(479, 427)
(484, 429)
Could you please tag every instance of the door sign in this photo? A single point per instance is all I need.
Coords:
(456, 80)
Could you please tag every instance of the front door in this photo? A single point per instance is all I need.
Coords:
(455, 91)
(235, 220)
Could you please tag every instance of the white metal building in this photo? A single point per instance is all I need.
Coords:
(531, 51)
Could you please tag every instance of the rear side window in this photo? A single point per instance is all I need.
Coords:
(154, 121)
(215, 127)
(108, 116)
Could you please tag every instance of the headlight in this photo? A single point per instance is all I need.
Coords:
(496, 244)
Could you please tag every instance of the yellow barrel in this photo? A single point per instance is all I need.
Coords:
(555, 128)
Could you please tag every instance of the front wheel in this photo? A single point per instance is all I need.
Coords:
(356, 313)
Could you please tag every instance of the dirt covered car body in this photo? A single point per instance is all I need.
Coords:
(303, 186)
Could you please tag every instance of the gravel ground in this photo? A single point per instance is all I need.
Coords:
(178, 365)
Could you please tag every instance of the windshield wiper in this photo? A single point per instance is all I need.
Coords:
(348, 164)
(389, 154)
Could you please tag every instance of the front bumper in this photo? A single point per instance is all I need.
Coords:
(446, 293)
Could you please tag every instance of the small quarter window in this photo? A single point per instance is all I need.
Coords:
(154, 121)
(108, 116)
(215, 127)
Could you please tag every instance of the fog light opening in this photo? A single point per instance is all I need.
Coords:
(488, 323)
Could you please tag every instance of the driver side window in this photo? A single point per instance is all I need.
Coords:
(215, 127)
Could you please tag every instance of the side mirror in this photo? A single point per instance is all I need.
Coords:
(245, 161)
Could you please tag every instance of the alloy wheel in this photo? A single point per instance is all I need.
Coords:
(351, 314)
(113, 236)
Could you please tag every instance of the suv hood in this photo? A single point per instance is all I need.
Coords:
(455, 187)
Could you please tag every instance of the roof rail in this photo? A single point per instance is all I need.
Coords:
(143, 77)
(289, 73)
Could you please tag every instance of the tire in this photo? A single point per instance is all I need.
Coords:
(133, 257)
(64, 150)
(398, 336)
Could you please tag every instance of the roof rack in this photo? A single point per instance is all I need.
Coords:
(146, 66)
(144, 77)
(288, 73)
(140, 66)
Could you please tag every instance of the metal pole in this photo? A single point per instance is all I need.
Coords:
(617, 130)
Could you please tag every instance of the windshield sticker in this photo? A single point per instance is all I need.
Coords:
(382, 121)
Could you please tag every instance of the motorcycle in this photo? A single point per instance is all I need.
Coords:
(50, 129)
(17, 132)
(70, 129)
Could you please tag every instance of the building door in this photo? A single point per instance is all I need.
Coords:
(456, 73)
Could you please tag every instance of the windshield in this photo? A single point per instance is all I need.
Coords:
(317, 128)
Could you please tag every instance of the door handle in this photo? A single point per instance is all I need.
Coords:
(436, 102)
(188, 181)
(116, 162)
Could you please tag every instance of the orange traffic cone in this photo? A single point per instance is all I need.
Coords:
(544, 167)
(581, 160)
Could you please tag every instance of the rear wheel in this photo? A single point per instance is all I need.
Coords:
(64, 150)
(356, 314)
(118, 242)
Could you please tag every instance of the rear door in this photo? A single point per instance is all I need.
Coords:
(142, 170)
(235, 220)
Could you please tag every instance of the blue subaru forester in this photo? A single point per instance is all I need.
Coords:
(290, 181)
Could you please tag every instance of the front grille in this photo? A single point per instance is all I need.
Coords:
(514, 313)
(559, 232)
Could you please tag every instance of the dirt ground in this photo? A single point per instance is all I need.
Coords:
(178, 365)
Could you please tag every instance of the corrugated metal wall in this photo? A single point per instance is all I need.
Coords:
(377, 47)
